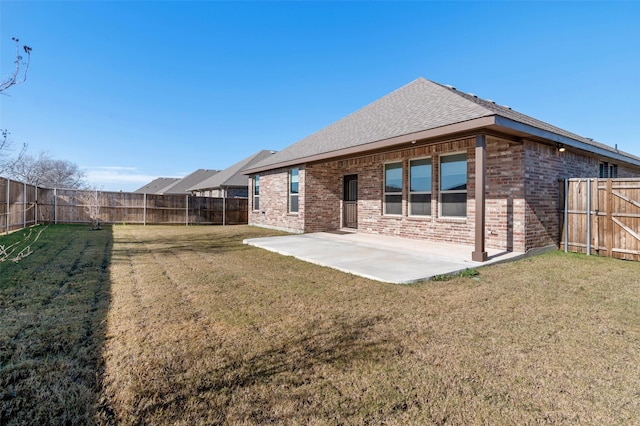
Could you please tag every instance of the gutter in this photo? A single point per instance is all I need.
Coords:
(496, 122)
(570, 142)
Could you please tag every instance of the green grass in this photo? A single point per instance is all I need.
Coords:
(189, 326)
(52, 309)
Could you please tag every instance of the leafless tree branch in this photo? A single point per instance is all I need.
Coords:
(14, 78)
(7, 162)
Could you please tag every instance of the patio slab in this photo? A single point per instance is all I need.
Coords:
(382, 258)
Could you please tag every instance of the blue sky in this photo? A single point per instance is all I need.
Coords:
(134, 90)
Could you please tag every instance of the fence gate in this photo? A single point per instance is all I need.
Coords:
(602, 216)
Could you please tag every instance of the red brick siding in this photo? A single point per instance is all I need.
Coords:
(323, 192)
(274, 202)
(370, 171)
(521, 200)
(505, 206)
(545, 166)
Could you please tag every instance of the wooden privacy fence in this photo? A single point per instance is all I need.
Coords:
(602, 216)
(23, 205)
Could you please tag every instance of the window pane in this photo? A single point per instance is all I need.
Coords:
(256, 185)
(454, 205)
(256, 203)
(393, 177)
(420, 204)
(293, 204)
(453, 172)
(293, 180)
(420, 175)
(393, 204)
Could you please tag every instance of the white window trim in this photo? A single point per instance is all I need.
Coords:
(256, 177)
(610, 170)
(290, 194)
(440, 191)
(384, 187)
(419, 192)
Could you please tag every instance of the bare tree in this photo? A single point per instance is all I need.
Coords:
(45, 171)
(91, 200)
(6, 147)
(7, 161)
(21, 63)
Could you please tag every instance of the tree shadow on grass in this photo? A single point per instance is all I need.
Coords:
(256, 385)
(55, 303)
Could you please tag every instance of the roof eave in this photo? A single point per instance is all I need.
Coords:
(493, 121)
(569, 142)
(463, 126)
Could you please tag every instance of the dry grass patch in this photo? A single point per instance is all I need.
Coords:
(204, 330)
(192, 327)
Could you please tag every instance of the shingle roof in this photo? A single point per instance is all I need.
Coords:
(418, 106)
(156, 186)
(232, 175)
(182, 185)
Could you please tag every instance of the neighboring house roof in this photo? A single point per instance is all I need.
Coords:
(232, 175)
(156, 186)
(165, 185)
(182, 186)
(419, 110)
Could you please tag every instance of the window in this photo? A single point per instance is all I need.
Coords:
(256, 192)
(420, 187)
(293, 190)
(608, 170)
(453, 185)
(393, 188)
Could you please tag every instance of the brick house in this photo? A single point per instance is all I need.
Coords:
(417, 162)
(230, 182)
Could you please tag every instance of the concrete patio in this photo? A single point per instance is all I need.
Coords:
(381, 258)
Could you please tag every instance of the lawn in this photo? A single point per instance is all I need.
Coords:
(186, 325)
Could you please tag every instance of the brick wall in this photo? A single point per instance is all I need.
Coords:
(505, 204)
(545, 166)
(323, 192)
(521, 200)
(274, 202)
(325, 181)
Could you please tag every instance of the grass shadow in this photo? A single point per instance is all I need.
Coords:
(54, 306)
(289, 366)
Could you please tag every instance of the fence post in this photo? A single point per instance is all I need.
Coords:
(187, 211)
(566, 215)
(8, 212)
(588, 216)
(35, 207)
(144, 209)
(55, 205)
(24, 205)
(224, 207)
(609, 221)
